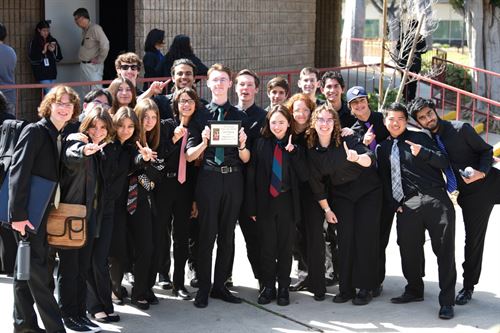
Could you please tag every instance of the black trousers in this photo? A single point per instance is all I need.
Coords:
(98, 280)
(120, 251)
(386, 218)
(358, 240)
(193, 246)
(36, 290)
(8, 251)
(277, 229)
(219, 198)
(140, 226)
(434, 212)
(477, 201)
(174, 209)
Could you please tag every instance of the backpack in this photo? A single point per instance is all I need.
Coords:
(10, 131)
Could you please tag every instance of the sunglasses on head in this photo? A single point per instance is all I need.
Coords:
(132, 67)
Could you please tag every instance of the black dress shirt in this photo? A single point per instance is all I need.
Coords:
(231, 155)
(377, 120)
(345, 115)
(419, 174)
(256, 118)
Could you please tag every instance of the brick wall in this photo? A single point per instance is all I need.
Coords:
(259, 34)
(20, 18)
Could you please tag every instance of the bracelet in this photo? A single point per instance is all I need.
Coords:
(240, 149)
(327, 210)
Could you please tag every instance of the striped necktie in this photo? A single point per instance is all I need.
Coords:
(277, 171)
(451, 180)
(397, 186)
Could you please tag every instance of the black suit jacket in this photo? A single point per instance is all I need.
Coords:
(35, 154)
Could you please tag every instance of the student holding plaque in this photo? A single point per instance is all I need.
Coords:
(38, 153)
(219, 191)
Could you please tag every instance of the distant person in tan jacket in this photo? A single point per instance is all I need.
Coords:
(94, 48)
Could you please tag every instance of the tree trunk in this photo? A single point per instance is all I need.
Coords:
(354, 27)
(483, 37)
(328, 31)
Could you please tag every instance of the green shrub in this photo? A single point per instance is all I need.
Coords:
(458, 77)
(373, 99)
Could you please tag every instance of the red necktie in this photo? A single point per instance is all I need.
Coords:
(181, 172)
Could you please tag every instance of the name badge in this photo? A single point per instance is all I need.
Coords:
(46, 62)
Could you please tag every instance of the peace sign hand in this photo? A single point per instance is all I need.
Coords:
(146, 152)
(369, 136)
(351, 155)
(92, 148)
(415, 148)
(290, 147)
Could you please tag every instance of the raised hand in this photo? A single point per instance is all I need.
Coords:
(157, 87)
(346, 131)
(179, 132)
(205, 134)
(415, 148)
(92, 148)
(369, 136)
(290, 147)
(351, 155)
(242, 137)
(146, 152)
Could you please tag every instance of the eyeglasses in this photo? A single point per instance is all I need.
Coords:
(323, 121)
(132, 67)
(102, 104)
(186, 101)
(64, 105)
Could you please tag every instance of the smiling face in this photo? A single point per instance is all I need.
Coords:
(277, 95)
(186, 106)
(98, 131)
(124, 94)
(324, 124)
(183, 76)
(129, 71)
(61, 111)
(360, 109)
(395, 122)
(125, 130)
(308, 83)
(149, 120)
(332, 90)
(219, 83)
(278, 125)
(246, 89)
(301, 113)
(427, 118)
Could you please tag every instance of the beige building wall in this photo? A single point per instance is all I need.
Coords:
(258, 34)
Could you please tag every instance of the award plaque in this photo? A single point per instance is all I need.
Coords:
(224, 133)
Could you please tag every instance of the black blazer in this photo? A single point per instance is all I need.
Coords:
(258, 178)
(35, 154)
(377, 120)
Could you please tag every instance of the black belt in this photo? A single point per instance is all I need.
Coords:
(222, 169)
(171, 174)
(86, 62)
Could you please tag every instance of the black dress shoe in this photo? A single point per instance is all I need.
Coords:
(464, 296)
(377, 291)
(201, 299)
(225, 295)
(181, 293)
(363, 297)
(165, 285)
(194, 283)
(267, 295)
(446, 312)
(343, 297)
(299, 286)
(283, 296)
(151, 298)
(319, 297)
(140, 303)
(406, 298)
(331, 282)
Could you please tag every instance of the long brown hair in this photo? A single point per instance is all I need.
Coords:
(98, 113)
(53, 96)
(127, 113)
(151, 138)
(283, 110)
(113, 89)
(312, 135)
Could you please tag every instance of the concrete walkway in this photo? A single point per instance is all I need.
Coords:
(304, 314)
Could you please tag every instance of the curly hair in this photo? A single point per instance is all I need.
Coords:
(312, 135)
(53, 96)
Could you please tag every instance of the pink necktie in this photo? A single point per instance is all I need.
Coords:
(181, 173)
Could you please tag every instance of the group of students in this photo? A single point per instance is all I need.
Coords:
(143, 164)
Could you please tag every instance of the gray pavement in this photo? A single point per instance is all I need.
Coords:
(304, 314)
